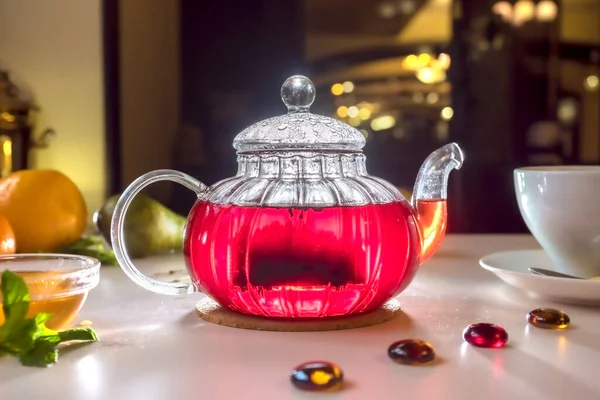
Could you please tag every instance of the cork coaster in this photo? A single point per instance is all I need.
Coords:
(210, 311)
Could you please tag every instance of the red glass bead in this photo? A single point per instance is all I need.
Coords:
(317, 376)
(411, 351)
(485, 335)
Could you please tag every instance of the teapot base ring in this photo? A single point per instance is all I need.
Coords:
(212, 312)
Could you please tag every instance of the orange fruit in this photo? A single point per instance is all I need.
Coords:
(45, 209)
(7, 237)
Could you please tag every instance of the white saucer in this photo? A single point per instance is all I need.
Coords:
(512, 268)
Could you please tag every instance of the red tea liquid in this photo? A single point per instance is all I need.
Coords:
(302, 263)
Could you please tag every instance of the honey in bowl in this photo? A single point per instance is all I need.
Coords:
(58, 284)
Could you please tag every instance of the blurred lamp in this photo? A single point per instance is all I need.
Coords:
(447, 113)
(337, 89)
(431, 75)
(383, 122)
(342, 111)
(348, 87)
(546, 11)
(591, 83)
(353, 111)
(526, 10)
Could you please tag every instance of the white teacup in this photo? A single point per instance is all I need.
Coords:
(561, 207)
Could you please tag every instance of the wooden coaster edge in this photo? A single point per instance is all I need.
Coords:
(208, 310)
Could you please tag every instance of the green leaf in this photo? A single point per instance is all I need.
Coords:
(14, 289)
(29, 338)
(40, 325)
(15, 303)
(20, 338)
(91, 246)
(15, 297)
(104, 256)
(43, 354)
(78, 334)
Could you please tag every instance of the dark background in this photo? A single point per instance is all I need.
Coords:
(236, 54)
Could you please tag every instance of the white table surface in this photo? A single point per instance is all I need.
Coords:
(154, 347)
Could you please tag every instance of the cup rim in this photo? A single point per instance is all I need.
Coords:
(84, 277)
(560, 169)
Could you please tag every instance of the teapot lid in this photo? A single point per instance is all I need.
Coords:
(299, 129)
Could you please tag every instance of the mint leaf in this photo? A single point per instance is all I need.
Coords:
(91, 246)
(40, 325)
(78, 334)
(20, 338)
(15, 301)
(14, 289)
(29, 338)
(43, 354)
(23, 334)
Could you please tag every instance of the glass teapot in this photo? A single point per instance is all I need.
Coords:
(302, 230)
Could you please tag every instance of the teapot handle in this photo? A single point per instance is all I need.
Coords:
(117, 235)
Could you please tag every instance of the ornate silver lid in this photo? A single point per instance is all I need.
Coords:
(299, 129)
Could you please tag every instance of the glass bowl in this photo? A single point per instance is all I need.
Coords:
(58, 283)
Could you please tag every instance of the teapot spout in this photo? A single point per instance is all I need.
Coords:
(430, 193)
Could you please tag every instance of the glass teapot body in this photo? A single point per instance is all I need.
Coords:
(335, 242)
(302, 230)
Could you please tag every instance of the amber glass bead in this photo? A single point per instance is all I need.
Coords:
(485, 335)
(317, 376)
(411, 351)
(548, 318)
